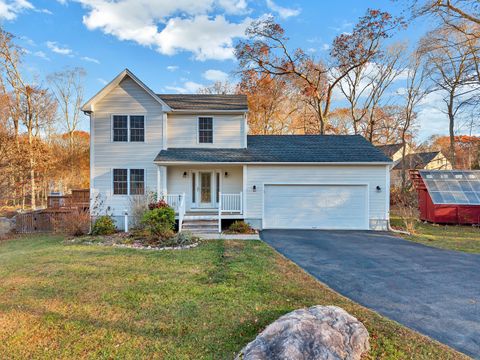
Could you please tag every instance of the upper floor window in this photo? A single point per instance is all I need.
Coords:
(128, 128)
(205, 130)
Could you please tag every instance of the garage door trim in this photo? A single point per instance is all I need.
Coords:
(336, 183)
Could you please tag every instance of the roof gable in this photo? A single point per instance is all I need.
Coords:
(417, 160)
(89, 106)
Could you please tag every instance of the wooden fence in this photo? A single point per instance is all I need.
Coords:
(40, 221)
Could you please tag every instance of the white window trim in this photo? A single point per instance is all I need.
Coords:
(128, 180)
(198, 129)
(128, 128)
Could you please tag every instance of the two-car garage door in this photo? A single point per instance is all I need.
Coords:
(322, 206)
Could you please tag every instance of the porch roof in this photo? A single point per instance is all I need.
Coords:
(284, 148)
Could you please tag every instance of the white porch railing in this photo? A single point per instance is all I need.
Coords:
(177, 202)
(231, 203)
(174, 200)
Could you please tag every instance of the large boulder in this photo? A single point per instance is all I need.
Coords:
(6, 225)
(319, 332)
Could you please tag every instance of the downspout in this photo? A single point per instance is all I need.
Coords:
(389, 227)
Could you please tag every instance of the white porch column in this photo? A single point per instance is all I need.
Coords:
(244, 192)
(161, 181)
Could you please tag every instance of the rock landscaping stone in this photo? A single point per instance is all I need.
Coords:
(319, 332)
(6, 225)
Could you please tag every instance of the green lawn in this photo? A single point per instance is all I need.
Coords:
(88, 301)
(453, 237)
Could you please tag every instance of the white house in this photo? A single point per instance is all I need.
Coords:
(194, 151)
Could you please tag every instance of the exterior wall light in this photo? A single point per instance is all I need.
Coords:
(254, 188)
(226, 173)
(379, 188)
(185, 174)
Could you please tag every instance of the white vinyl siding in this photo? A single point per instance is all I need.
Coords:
(371, 175)
(324, 206)
(130, 99)
(228, 131)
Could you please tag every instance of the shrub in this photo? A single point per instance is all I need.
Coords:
(240, 227)
(160, 221)
(138, 205)
(158, 205)
(104, 225)
(176, 240)
(73, 223)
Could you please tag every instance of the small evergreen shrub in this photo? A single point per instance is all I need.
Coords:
(104, 225)
(240, 227)
(160, 222)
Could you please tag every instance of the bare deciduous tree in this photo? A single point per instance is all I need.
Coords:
(67, 86)
(266, 52)
(452, 71)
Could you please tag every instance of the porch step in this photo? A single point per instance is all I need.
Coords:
(200, 218)
(200, 226)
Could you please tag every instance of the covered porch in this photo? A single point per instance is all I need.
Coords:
(203, 192)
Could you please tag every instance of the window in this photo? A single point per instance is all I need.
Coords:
(120, 128)
(128, 182)
(120, 181)
(137, 128)
(128, 128)
(137, 181)
(205, 130)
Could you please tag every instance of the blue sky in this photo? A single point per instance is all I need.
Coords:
(174, 46)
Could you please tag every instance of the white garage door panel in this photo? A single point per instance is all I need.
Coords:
(315, 207)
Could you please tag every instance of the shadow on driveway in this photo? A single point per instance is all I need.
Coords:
(434, 291)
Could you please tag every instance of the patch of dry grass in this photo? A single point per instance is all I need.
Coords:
(84, 301)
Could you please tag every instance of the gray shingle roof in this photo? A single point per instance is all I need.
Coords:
(417, 161)
(284, 148)
(205, 102)
(390, 149)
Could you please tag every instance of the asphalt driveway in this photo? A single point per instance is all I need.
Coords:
(434, 291)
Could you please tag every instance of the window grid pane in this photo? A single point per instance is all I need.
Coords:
(120, 128)
(205, 130)
(137, 182)
(137, 128)
(120, 182)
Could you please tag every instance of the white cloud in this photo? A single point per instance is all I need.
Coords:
(172, 68)
(45, 11)
(325, 47)
(41, 55)
(9, 9)
(283, 12)
(215, 75)
(59, 49)
(187, 88)
(234, 6)
(89, 59)
(102, 81)
(170, 26)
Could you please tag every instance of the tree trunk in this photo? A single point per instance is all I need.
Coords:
(451, 129)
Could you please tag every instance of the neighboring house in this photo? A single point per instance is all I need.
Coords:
(432, 160)
(394, 151)
(194, 151)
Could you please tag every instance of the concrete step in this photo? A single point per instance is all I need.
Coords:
(192, 228)
(201, 232)
(200, 217)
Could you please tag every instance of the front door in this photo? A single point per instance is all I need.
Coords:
(205, 195)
